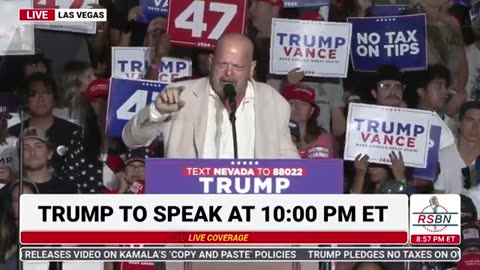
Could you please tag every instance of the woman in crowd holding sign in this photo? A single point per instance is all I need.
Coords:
(376, 178)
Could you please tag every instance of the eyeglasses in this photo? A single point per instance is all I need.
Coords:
(394, 86)
(132, 167)
(467, 180)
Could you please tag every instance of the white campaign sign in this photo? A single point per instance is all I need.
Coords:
(16, 37)
(320, 49)
(130, 62)
(376, 131)
(76, 27)
(133, 62)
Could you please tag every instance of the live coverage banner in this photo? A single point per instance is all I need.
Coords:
(152, 9)
(133, 62)
(201, 23)
(320, 49)
(76, 27)
(376, 131)
(125, 99)
(16, 37)
(398, 40)
(216, 176)
(286, 219)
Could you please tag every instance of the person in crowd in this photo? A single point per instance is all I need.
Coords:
(198, 111)
(76, 77)
(314, 142)
(428, 90)
(470, 238)
(473, 54)
(8, 151)
(93, 159)
(40, 103)
(261, 14)
(378, 178)
(445, 46)
(458, 160)
(468, 210)
(329, 95)
(387, 90)
(35, 63)
(38, 154)
(132, 179)
(9, 224)
(388, 86)
(351, 8)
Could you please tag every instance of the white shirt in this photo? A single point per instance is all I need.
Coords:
(450, 179)
(473, 54)
(219, 137)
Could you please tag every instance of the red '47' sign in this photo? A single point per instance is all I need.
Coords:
(58, 3)
(200, 24)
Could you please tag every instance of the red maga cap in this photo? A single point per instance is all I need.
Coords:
(303, 93)
(98, 89)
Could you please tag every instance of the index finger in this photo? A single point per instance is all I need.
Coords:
(295, 70)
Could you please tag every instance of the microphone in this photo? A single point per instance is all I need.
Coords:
(434, 203)
(230, 93)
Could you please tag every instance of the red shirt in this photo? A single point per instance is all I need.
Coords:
(321, 148)
(138, 187)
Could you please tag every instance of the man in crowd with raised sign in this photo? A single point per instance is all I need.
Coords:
(198, 112)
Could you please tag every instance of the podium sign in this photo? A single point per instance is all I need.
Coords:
(207, 176)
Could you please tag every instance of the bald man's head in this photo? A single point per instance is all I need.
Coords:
(232, 63)
(236, 40)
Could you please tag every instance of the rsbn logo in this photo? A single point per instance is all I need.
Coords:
(434, 217)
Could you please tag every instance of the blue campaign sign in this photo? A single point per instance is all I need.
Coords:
(388, 10)
(125, 99)
(397, 40)
(305, 3)
(430, 172)
(152, 9)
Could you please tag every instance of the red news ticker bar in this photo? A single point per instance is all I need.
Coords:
(37, 14)
(425, 239)
(29, 237)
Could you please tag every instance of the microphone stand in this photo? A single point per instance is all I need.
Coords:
(234, 133)
(233, 107)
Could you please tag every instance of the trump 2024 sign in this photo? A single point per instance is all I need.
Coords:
(377, 131)
(127, 98)
(320, 49)
(202, 23)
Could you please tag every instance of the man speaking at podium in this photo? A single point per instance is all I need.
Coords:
(195, 114)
